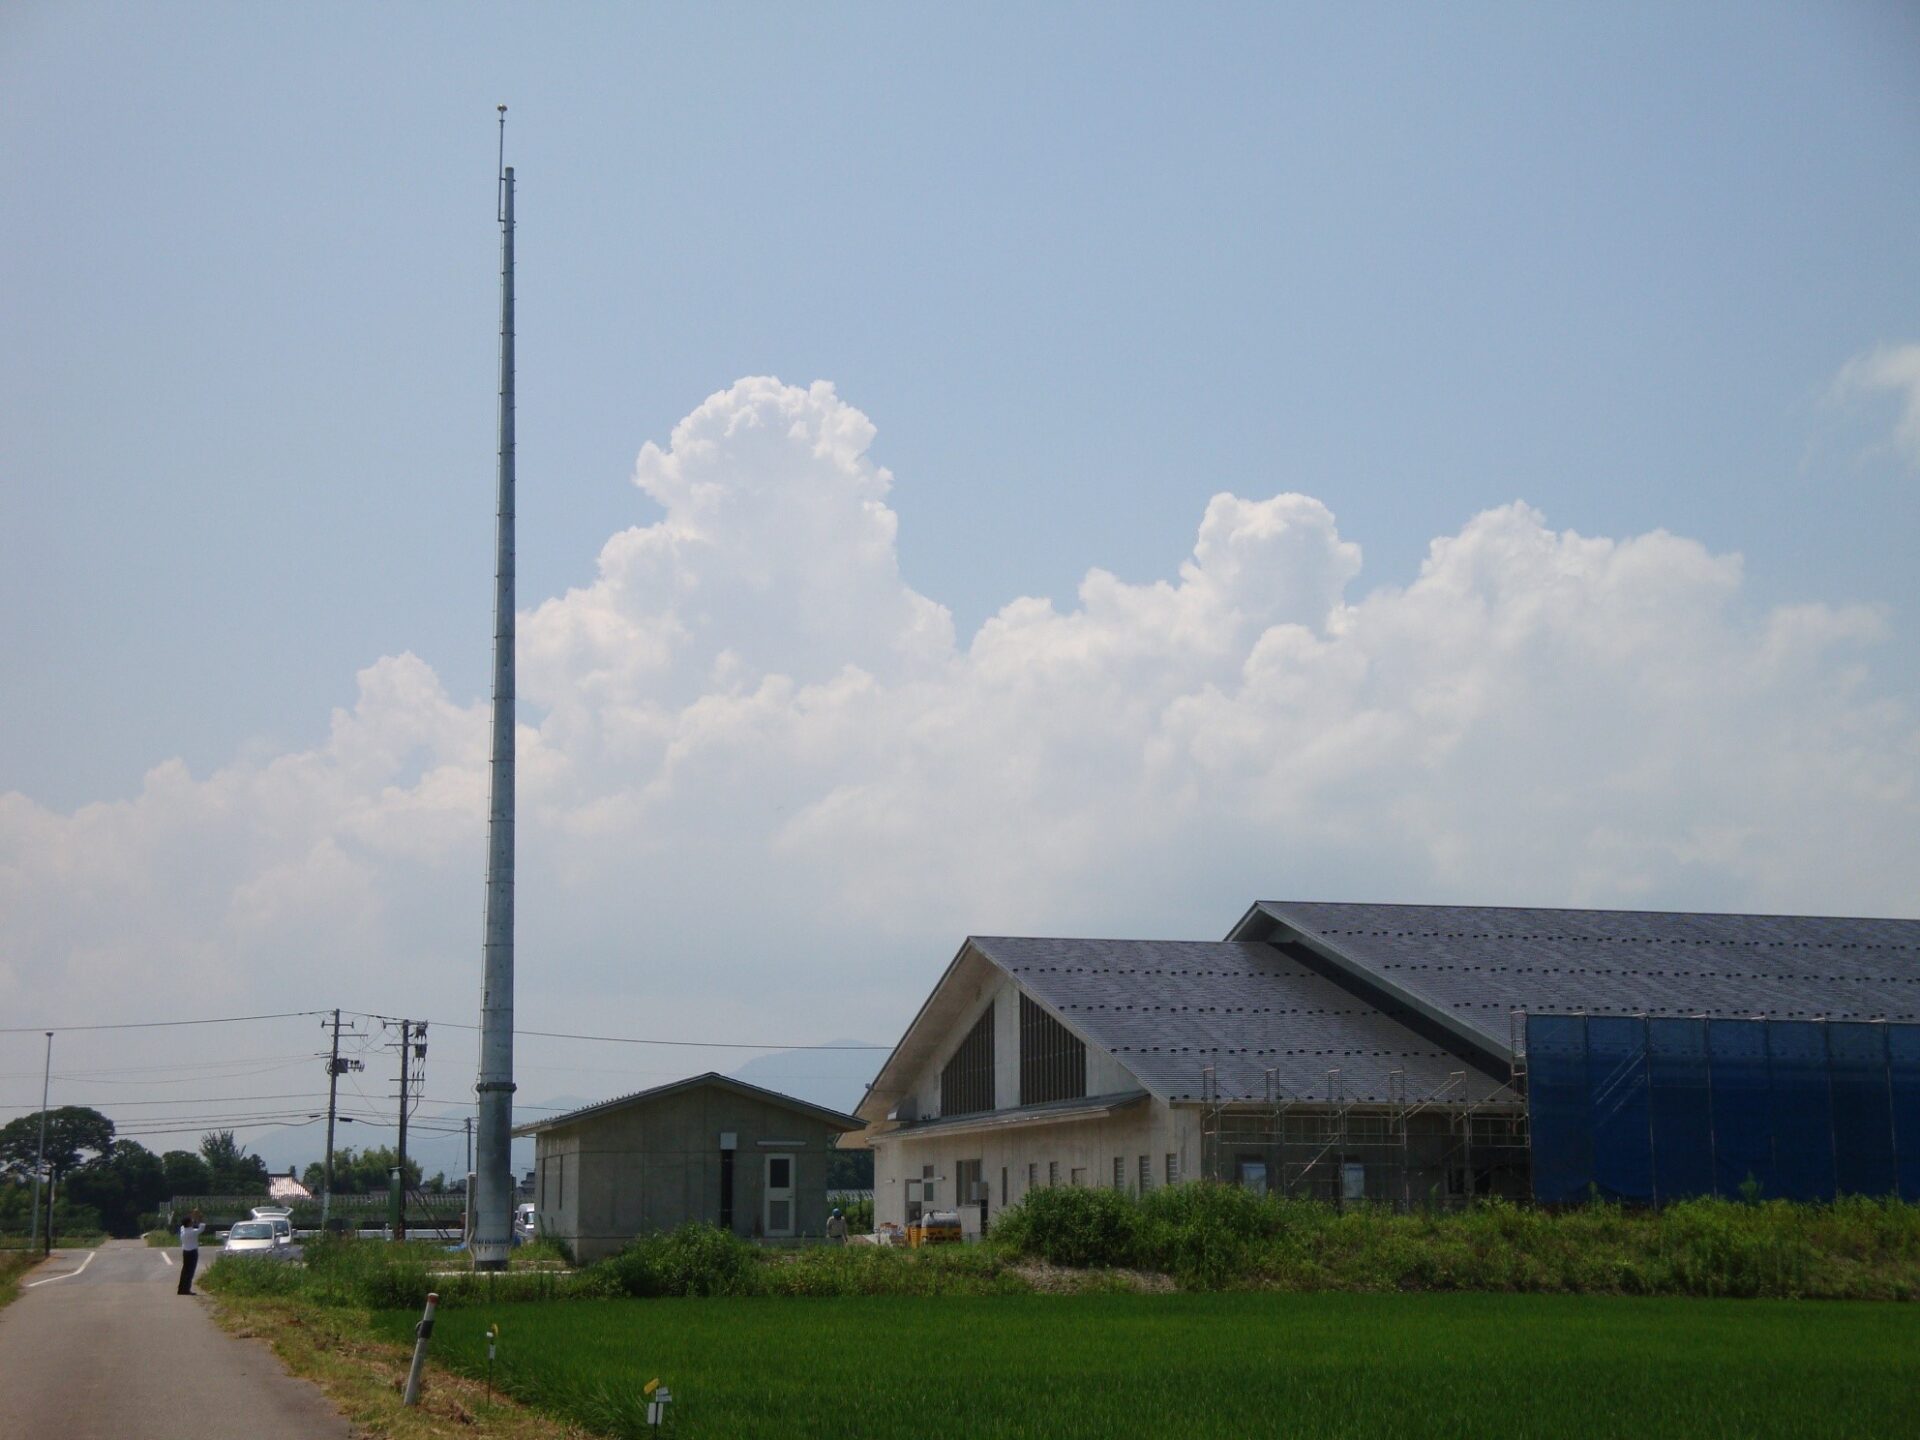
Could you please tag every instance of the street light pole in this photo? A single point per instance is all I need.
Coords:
(40, 1160)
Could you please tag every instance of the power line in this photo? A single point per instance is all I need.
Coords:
(265, 1061)
(184, 1100)
(159, 1024)
(637, 1040)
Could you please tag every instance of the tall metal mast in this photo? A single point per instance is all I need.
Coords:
(493, 1179)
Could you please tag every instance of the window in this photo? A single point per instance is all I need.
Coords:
(969, 1183)
(1146, 1173)
(1003, 1187)
(1353, 1181)
(778, 1217)
(1053, 1061)
(1080, 1176)
(920, 1195)
(1033, 1174)
(966, 1084)
(1173, 1168)
(1119, 1173)
(1053, 1172)
(543, 1182)
(726, 1189)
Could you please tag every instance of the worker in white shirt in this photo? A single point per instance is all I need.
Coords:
(190, 1229)
(837, 1227)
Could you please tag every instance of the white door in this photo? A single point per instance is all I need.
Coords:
(778, 1219)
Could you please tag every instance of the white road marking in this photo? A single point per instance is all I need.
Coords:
(68, 1276)
(164, 1255)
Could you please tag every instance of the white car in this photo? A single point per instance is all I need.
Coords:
(252, 1237)
(280, 1218)
(523, 1224)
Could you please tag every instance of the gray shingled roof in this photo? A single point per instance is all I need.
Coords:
(1168, 1008)
(1478, 964)
(692, 1082)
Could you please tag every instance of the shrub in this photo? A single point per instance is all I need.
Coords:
(1074, 1225)
(696, 1259)
(859, 1216)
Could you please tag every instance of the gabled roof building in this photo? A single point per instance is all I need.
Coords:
(1413, 1055)
(709, 1148)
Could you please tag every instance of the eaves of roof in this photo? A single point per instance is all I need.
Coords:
(1054, 1112)
(713, 1078)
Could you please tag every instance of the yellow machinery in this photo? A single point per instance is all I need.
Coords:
(936, 1227)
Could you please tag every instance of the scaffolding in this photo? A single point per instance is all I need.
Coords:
(1447, 1147)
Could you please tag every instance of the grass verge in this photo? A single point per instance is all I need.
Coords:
(1328, 1366)
(14, 1264)
(363, 1373)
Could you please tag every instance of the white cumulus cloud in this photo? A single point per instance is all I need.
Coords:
(1889, 370)
(765, 787)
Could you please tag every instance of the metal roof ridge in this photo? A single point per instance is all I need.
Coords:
(708, 1077)
(1586, 910)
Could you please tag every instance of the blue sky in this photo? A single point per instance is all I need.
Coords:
(1083, 269)
(1647, 269)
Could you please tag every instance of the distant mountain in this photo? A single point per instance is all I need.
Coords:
(833, 1078)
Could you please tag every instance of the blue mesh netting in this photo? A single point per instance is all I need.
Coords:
(1682, 1106)
(1742, 1107)
(1617, 1089)
(1862, 1109)
(1802, 1110)
(1557, 1100)
(1650, 1110)
(1903, 1073)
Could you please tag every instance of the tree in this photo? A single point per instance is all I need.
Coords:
(364, 1171)
(850, 1169)
(186, 1173)
(72, 1130)
(234, 1171)
(123, 1183)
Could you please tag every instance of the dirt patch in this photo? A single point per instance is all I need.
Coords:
(1064, 1280)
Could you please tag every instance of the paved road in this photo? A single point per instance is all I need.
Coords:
(99, 1347)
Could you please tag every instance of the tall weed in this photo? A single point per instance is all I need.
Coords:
(1213, 1237)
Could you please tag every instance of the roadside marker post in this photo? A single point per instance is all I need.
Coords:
(493, 1339)
(658, 1398)
(422, 1333)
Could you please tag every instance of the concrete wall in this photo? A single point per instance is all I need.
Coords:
(1429, 1171)
(656, 1164)
(1151, 1128)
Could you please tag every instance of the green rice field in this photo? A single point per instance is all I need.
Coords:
(1239, 1364)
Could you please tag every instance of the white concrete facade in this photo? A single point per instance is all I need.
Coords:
(1018, 1148)
(1016, 1158)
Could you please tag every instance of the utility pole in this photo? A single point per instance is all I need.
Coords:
(493, 1213)
(466, 1186)
(336, 1067)
(406, 1064)
(413, 1048)
(40, 1160)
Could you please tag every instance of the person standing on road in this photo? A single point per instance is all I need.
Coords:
(190, 1229)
